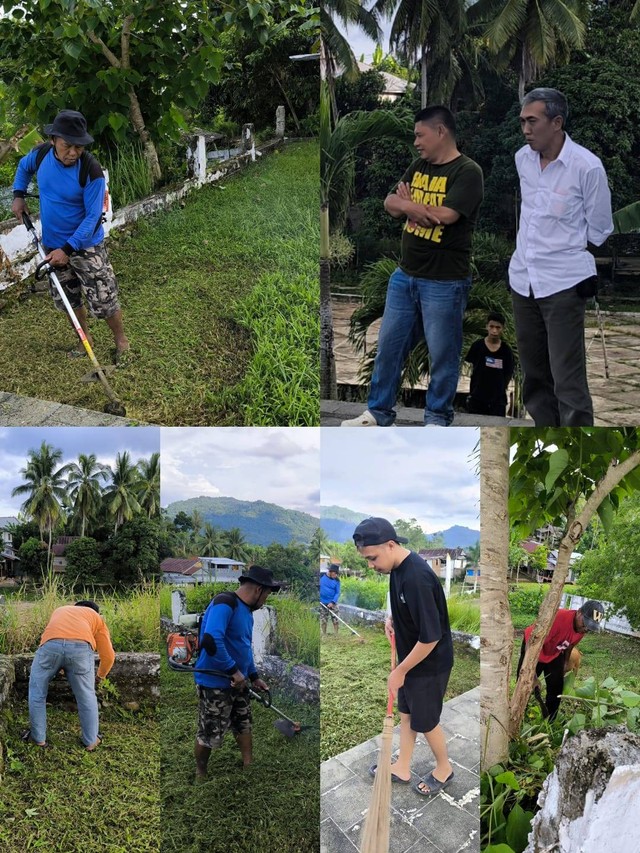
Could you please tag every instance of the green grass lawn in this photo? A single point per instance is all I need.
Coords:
(63, 799)
(221, 304)
(353, 689)
(273, 805)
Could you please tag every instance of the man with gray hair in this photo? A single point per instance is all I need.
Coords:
(566, 204)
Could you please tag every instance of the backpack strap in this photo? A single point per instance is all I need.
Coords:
(89, 166)
(226, 597)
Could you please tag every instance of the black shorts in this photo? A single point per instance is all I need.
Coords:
(422, 698)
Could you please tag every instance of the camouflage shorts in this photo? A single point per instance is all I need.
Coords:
(89, 272)
(221, 709)
(324, 615)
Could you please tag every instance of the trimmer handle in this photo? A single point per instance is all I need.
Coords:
(264, 696)
(26, 221)
(40, 270)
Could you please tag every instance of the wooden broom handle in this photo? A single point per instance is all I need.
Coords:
(393, 666)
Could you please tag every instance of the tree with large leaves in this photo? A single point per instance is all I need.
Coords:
(149, 485)
(45, 489)
(530, 35)
(237, 546)
(121, 494)
(337, 50)
(212, 542)
(560, 477)
(428, 29)
(318, 545)
(133, 65)
(85, 491)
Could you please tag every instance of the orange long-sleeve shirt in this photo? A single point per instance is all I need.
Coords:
(82, 623)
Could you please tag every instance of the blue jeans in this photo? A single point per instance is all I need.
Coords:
(78, 660)
(417, 307)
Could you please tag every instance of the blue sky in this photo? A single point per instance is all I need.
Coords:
(278, 465)
(15, 443)
(426, 474)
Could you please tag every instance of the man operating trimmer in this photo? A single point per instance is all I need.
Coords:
(225, 646)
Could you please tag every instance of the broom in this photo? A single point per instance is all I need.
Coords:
(375, 835)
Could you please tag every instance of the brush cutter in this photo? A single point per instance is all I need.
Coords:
(114, 406)
(335, 616)
(286, 726)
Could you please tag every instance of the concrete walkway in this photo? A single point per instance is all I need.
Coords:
(448, 823)
(332, 412)
(16, 410)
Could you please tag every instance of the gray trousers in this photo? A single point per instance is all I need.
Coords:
(550, 334)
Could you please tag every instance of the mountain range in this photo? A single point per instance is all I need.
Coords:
(338, 523)
(261, 523)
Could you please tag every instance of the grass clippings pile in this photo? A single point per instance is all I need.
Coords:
(221, 303)
(272, 805)
(66, 800)
(353, 686)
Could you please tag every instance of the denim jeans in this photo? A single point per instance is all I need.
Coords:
(417, 307)
(78, 660)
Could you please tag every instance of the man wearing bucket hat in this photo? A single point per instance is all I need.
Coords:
(420, 623)
(568, 628)
(225, 645)
(72, 189)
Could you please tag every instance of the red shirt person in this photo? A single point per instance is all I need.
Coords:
(568, 628)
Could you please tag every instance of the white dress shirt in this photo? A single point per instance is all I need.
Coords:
(563, 206)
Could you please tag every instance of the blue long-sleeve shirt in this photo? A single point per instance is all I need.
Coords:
(329, 590)
(231, 630)
(69, 213)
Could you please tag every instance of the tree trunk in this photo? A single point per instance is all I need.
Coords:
(496, 626)
(423, 76)
(549, 607)
(328, 385)
(294, 116)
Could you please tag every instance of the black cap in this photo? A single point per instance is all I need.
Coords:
(375, 531)
(592, 613)
(263, 577)
(70, 126)
(333, 567)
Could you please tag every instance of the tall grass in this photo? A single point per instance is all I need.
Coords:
(132, 617)
(371, 594)
(297, 631)
(129, 176)
(297, 634)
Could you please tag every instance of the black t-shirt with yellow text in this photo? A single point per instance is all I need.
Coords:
(442, 252)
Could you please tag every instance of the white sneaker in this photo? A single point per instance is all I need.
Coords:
(366, 419)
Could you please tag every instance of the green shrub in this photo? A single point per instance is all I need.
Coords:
(370, 594)
(297, 631)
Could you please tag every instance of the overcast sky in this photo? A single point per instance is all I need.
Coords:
(426, 474)
(279, 465)
(16, 442)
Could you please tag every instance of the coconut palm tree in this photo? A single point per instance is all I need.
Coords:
(120, 496)
(45, 489)
(318, 545)
(335, 49)
(85, 491)
(338, 146)
(149, 485)
(212, 542)
(428, 29)
(530, 35)
(237, 547)
(197, 520)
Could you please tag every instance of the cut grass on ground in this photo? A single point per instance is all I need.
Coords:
(353, 686)
(65, 799)
(221, 304)
(273, 805)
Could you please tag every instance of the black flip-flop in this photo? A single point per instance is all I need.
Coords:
(397, 780)
(434, 785)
